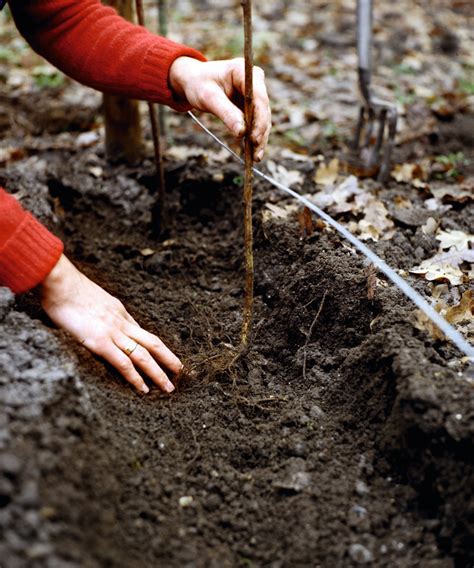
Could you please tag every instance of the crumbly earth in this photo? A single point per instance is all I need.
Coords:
(344, 435)
(348, 445)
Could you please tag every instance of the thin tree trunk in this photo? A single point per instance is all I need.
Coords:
(248, 182)
(123, 133)
(158, 211)
(163, 31)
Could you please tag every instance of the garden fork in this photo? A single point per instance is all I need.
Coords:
(374, 114)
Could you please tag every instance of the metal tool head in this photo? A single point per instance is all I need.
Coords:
(377, 124)
(375, 136)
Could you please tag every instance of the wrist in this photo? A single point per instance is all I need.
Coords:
(180, 71)
(59, 275)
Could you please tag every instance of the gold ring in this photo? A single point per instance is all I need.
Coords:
(131, 348)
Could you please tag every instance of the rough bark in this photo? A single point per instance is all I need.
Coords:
(123, 133)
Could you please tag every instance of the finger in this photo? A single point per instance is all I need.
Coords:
(260, 149)
(262, 118)
(113, 355)
(262, 114)
(142, 359)
(219, 104)
(156, 347)
(131, 319)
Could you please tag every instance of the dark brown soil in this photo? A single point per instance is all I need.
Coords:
(350, 446)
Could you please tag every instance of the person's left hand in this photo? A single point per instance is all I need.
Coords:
(103, 325)
(218, 87)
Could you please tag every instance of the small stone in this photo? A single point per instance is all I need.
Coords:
(359, 511)
(39, 550)
(212, 503)
(186, 501)
(361, 488)
(300, 449)
(304, 419)
(360, 554)
(29, 496)
(316, 412)
(10, 465)
(296, 483)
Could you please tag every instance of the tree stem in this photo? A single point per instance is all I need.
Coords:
(248, 181)
(158, 212)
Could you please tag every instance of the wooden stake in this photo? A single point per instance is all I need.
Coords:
(248, 181)
(123, 134)
(158, 212)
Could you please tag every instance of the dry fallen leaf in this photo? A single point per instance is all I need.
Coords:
(286, 153)
(327, 175)
(457, 239)
(445, 266)
(375, 224)
(86, 139)
(462, 312)
(460, 315)
(305, 220)
(339, 199)
(11, 154)
(453, 192)
(349, 197)
(410, 173)
(278, 212)
(429, 228)
(284, 176)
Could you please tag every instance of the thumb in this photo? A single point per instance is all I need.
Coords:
(220, 105)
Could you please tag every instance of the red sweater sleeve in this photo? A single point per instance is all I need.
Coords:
(28, 251)
(94, 45)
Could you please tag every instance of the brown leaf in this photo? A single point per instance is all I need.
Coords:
(305, 220)
(464, 311)
(371, 281)
(445, 266)
(327, 175)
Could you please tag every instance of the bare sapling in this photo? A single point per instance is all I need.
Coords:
(163, 31)
(248, 180)
(158, 212)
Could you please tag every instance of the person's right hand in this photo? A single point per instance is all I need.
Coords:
(218, 87)
(102, 324)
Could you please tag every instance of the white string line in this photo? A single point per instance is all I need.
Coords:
(414, 296)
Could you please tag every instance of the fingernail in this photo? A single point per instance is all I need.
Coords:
(144, 388)
(169, 387)
(239, 128)
(259, 155)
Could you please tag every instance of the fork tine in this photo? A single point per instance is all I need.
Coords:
(392, 116)
(380, 137)
(359, 128)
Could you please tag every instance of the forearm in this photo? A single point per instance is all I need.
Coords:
(95, 46)
(28, 251)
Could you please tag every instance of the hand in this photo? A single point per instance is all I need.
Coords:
(103, 325)
(218, 87)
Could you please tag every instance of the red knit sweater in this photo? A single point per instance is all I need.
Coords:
(92, 44)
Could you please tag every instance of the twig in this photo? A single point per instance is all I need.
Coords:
(158, 211)
(310, 332)
(248, 182)
(163, 31)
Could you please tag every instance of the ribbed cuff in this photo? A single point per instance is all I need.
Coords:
(155, 82)
(28, 256)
